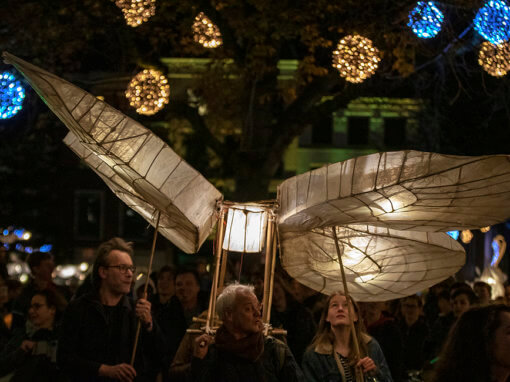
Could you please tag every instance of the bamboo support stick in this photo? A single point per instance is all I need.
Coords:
(273, 264)
(349, 305)
(149, 270)
(267, 274)
(214, 289)
(223, 269)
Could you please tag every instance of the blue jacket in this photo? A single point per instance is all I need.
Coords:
(319, 364)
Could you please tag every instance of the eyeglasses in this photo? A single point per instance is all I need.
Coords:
(123, 268)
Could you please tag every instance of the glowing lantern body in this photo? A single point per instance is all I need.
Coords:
(246, 229)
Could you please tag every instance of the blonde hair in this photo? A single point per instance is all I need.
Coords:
(326, 338)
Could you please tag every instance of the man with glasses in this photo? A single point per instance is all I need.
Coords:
(98, 328)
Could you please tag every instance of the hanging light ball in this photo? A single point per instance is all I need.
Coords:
(356, 58)
(493, 21)
(148, 92)
(205, 32)
(137, 12)
(495, 59)
(425, 19)
(466, 236)
(485, 229)
(12, 95)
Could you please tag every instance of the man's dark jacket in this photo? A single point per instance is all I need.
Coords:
(88, 340)
(277, 364)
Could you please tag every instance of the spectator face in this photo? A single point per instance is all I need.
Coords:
(40, 314)
(444, 305)
(186, 288)
(44, 270)
(246, 314)
(501, 344)
(483, 293)
(116, 277)
(411, 310)
(166, 284)
(371, 311)
(338, 311)
(460, 304)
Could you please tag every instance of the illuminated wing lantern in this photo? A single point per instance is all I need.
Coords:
(378, 220)
(137, 166)
(388, 212)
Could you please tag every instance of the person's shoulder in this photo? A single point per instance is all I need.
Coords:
(273, 341)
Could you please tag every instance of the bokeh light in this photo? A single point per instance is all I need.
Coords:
(12, 95)
(148, 92)
(137, 12)
(425, 19)
(495, 59)
(493, 21)
(356, 58)
(205, 32)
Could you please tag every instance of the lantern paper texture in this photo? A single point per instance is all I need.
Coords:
(404, 190)
(246, 228)
(138, 166)
(380, 263)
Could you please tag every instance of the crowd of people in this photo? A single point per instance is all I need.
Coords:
(109, 329)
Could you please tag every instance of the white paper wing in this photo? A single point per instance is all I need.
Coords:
(404, 190)
(133, 161)
(380, 263)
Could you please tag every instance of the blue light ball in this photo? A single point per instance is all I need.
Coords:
(12, 95)
(493, 21)
(425, 19)
(453, 234)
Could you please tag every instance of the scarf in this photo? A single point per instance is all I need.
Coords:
(250, 348)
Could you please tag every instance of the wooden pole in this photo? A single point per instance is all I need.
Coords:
(359, 373)
(211, 311)
(139, 325)
(273, 263)
(223, 269)
(267, 274)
